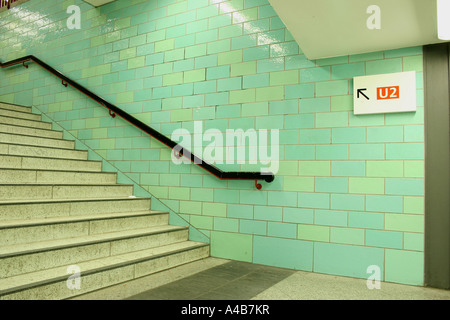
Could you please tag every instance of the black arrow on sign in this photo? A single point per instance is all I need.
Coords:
(360, 91)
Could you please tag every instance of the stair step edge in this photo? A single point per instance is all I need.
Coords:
(42, 277)
(34, 201)
(51, 245)
(7, 224)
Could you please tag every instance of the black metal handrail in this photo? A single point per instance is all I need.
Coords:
(113, 111)
(7, 3)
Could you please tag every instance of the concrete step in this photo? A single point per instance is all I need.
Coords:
(45, 191)
(55, 283)
(19, 114)
(42, 152)
(28, 176)
(44, 133)
(52, 208)
(30, 257)
(25, 123)
(14, 138)
(24, 231)
(15, 107)
(19, 162)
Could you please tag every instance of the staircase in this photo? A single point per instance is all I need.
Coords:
(66, 227)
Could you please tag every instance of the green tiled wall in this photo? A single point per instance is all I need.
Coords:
(349, 192)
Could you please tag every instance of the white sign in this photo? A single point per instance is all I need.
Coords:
(385, 93)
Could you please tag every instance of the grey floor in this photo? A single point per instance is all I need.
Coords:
(219, 279)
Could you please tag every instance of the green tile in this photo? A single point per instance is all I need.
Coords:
(314, 233)
(283, 107)
(347, 236)
(267, 213)
(207, 12)
(347, 71)
(173, 79)
(242, 96)
(214, 209)
(346, 260)
(284, 49)
(230, 31)
(201, 194)
(314, 200)
(349, 135)
(284, 77)
(282, 230)
(413, 63)
(206, 36)
(225, 224)
(413, 241)
(314, 168)
(414, 169)
(195, 51)
(255, 109)
(253, 197)
(266, 251)
(288, 199)
(219, 46)
(404, 267)
(195, 75)
(348, 168)
(191, 207)
(270, 94)
(201, 222)
(240, 211)
(314, 105)
(347, 202)
(384, 168)
(255, 81)
(299, 152)
(244, 68)
(368, 220)
(245, 15)
(332, 152)
(366, 185)
(299, 91)
(384, 203)
(385, 134)
(366, 152)
(384, 66)
(229, 84)
(315, 136)
(256, 53)
(342, 103)
(164, 45)
(205, 87)
(330, 218)
(173, 55)
(229, 57)
(332, 88)
(298, 184)
(229, 245)
(298, 215)
(405, 151)
(315, 74)
(384, 239)
(270, 37)
(406, 186)
(332, 185)
(331, 119)
(177, 8)
(270, 65)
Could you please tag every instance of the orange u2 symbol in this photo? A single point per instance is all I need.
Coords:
(384, 93)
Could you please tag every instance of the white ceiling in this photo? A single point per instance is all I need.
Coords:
(331, 28)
